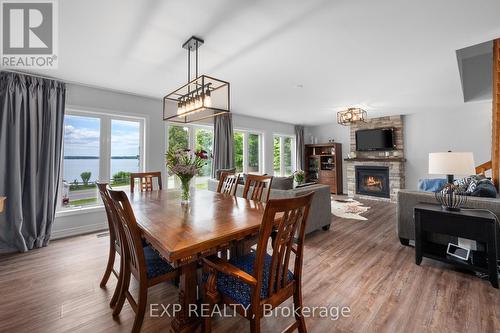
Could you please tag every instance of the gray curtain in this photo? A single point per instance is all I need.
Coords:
(223, 149)
(300, 148)
(31, 131)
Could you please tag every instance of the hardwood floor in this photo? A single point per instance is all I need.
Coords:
(359, 264)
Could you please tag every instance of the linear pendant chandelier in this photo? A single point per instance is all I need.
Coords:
(200, 98)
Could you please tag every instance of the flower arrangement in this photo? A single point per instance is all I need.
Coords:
(299, 176)
(185, 164)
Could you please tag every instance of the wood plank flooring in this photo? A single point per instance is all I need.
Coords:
(359, 264)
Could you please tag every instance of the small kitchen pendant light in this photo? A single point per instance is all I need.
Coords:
(200, 98)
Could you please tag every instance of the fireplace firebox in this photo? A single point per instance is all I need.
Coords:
(373, 181)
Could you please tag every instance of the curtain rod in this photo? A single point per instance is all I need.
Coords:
(32, 74)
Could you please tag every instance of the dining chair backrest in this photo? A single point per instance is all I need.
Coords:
(260, 185)
(132, 237)
(145, 181)
(222, 178)
(229, 185)
(283, 217)
(114, 232)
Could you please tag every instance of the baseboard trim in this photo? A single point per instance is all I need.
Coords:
(76, 231)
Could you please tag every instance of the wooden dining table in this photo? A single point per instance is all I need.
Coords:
(183, 234)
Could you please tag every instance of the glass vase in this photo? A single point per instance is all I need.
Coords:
(185, 184)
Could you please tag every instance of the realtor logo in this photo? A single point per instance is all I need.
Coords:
(29, 34)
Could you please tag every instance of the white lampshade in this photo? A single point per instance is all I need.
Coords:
(452, 163)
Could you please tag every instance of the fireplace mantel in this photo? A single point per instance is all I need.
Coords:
(375, 159)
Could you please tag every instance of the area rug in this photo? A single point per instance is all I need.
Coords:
(349, 209)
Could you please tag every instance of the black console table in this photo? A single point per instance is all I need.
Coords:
(477, 225)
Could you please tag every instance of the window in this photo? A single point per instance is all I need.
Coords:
(253, 153)
(81, 160)
(238, 151)
(178, 138)
(283, 155)
(98, 146)
(247, 152)
(125, 151)
(196, 138)
(204, 138)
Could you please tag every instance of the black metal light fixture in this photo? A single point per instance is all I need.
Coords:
(450, 164)
(200, 98)
(350, 116)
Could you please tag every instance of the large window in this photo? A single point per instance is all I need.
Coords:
(192, 137)
(284, 155)
(98, 146)
(248, 152)
(125, 151)
(81, 160)
(238, 151)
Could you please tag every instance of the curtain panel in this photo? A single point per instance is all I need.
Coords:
(300, 147)
(223, 149)
(31, 134)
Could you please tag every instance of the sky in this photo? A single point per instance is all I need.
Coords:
(81, 137)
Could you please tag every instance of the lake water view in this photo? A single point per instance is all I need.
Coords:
(74, 167)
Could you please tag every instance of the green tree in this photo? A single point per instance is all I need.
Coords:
(121, 177)
(178, 137)
(204, 141)
(86, 177)
(287, 156)
(238, 151)
(277, 159)
(253, 152)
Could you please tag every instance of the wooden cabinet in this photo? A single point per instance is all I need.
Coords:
(324, 165)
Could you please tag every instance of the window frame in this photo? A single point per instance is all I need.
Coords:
(191, 139)
(246, 133)
(293, 147)
(105, 119)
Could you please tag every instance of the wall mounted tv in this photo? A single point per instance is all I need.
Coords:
(375, 139)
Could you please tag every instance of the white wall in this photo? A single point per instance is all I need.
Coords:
(467, 128)
(464, 129)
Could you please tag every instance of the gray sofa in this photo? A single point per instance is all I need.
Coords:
(408, 199)
(320, 215)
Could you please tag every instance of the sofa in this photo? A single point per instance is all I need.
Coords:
(320, 213)
(407, 200)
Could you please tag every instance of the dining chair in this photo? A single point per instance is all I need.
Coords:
(114, 242)
(228, 183)
(144, 263)
(146, 181)
(257, 279)
(259, 183)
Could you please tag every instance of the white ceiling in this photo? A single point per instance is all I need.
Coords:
(296, 61)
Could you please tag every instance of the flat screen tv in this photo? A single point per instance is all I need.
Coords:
(375, 139)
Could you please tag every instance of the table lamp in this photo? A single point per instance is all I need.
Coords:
(450, 164)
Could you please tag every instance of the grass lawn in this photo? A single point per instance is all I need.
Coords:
(83, 202)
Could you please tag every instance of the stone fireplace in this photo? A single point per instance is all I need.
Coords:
(373, 181)
(377, 175)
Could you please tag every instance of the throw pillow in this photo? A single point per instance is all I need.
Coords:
(282, 183)
(431, 185)
(485, 188)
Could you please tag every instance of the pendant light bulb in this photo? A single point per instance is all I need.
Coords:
(207, 100)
